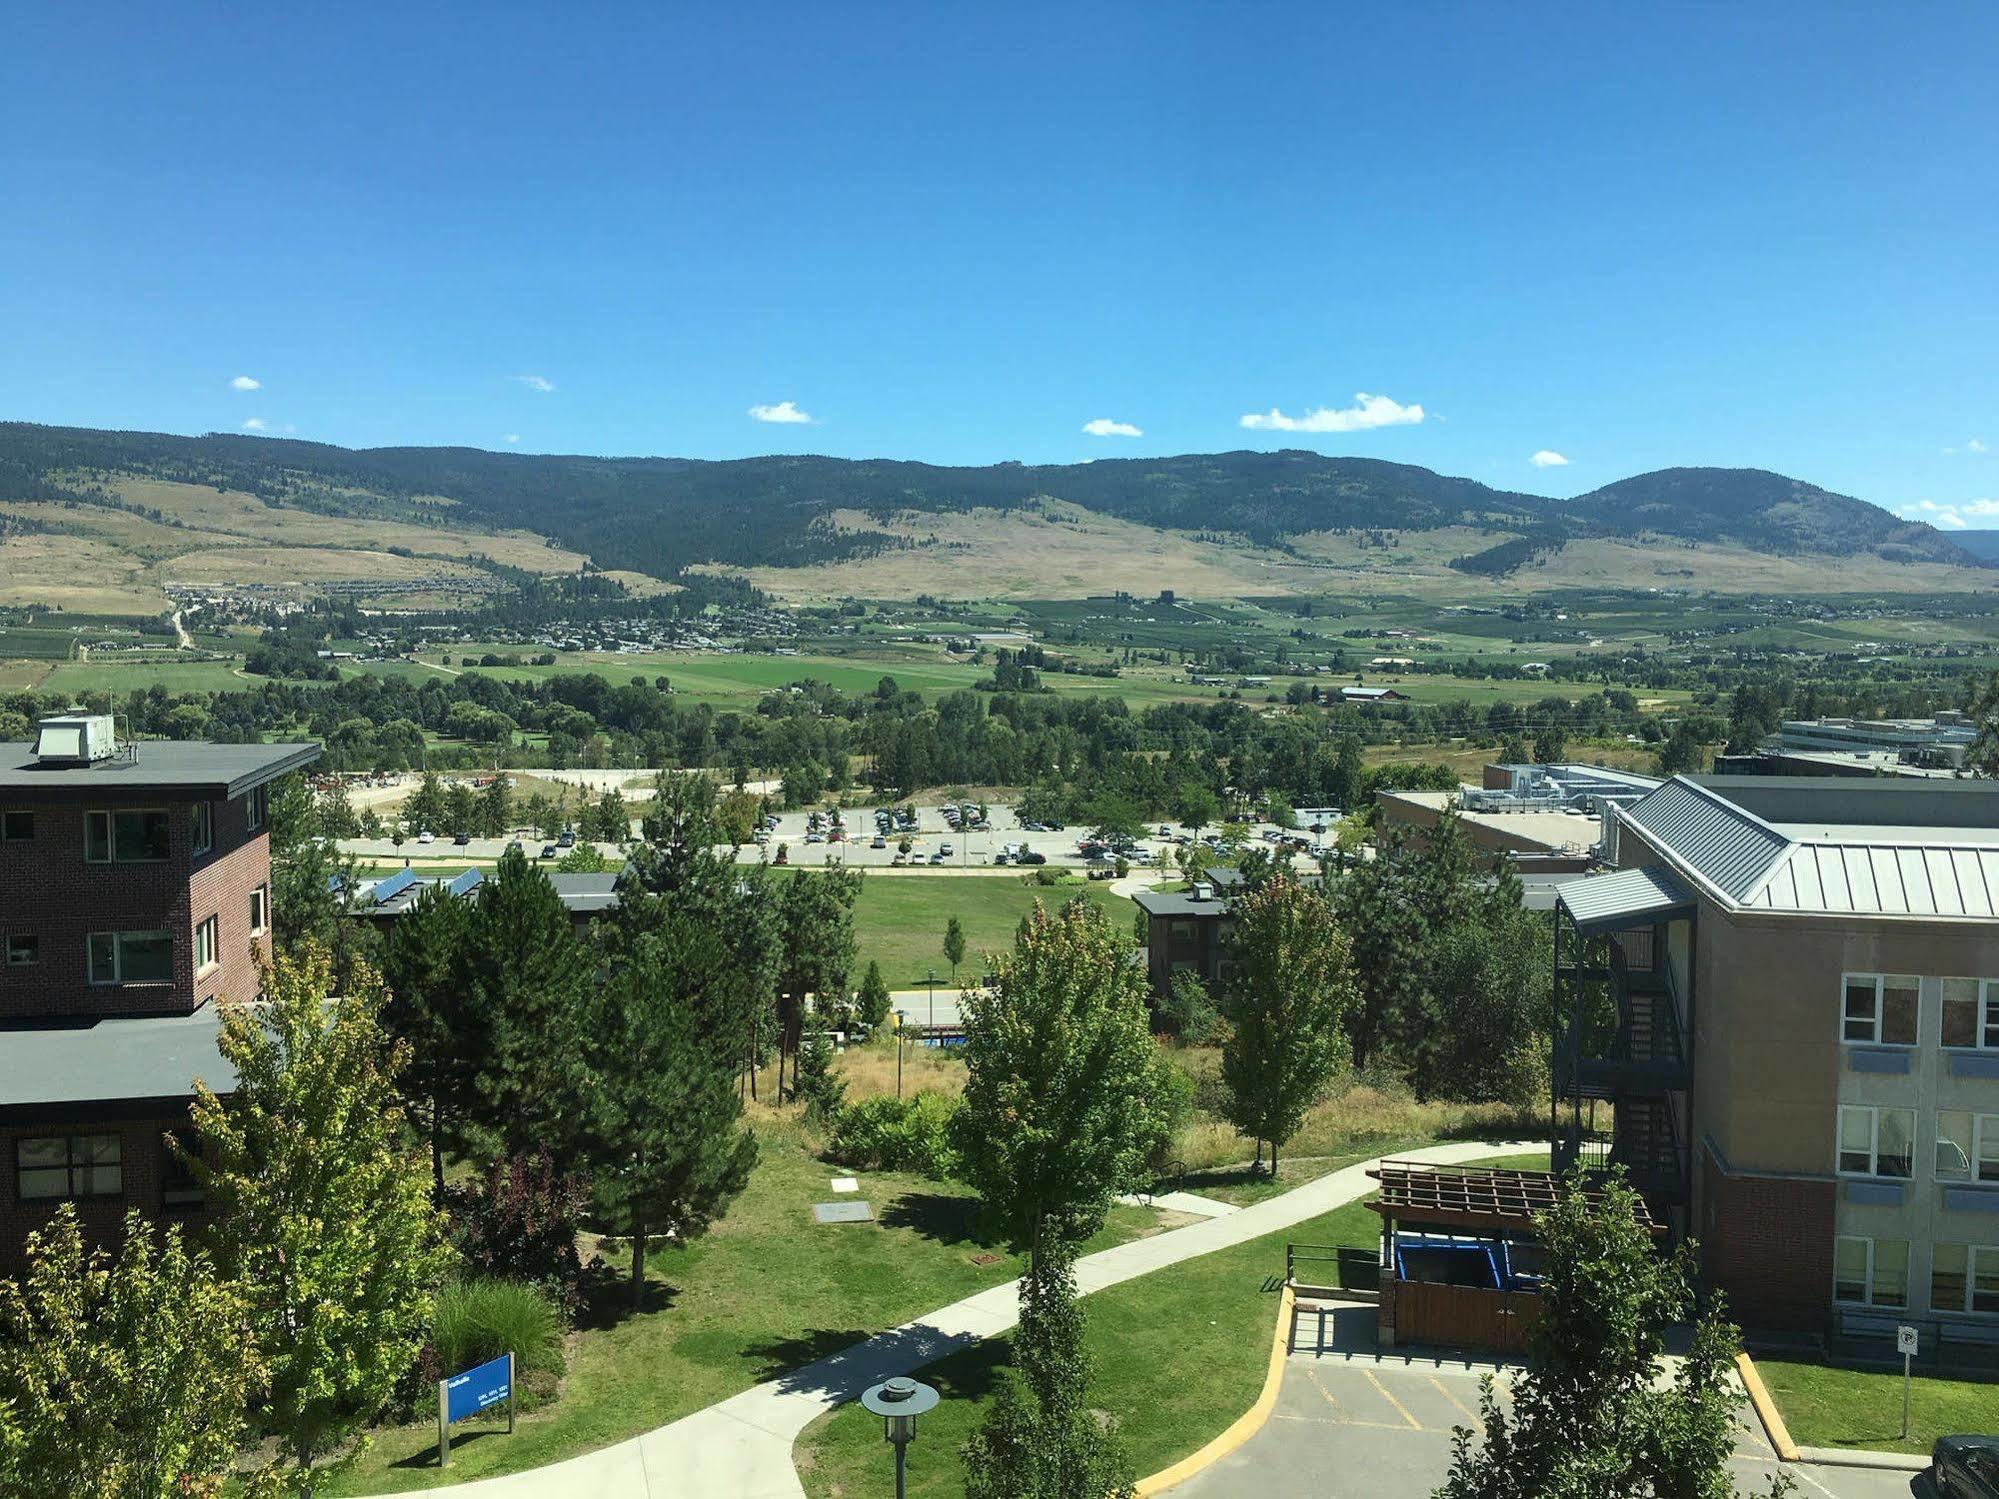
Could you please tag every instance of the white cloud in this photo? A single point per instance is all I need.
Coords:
(255, 424)
(513, 437)
(1367, 412)
(245, 382)
(1103, 426)
(535, 382)
(1953, 515)
(1548, 458)
(784, 412)
(1974, 446)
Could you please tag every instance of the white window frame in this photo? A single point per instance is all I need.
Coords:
(1874, 1112)
(1985, 1025)
(203, 820)
(207, 945)
(260, 910)
(1981, 1146)
(111, 816)
(118, 959)
(1868, 1297)
(1880, 982)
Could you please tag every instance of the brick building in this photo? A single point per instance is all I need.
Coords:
(1783, 1014)
(135, 883)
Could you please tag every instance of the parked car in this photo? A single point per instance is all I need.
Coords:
(813, 835)
(462, 839)
(567, 840)
(548, 850)
(899, 861)
(878, 842)
(946, 850)
(426, 836)
(1001, 857)
(938, 857)
(1965, 1467)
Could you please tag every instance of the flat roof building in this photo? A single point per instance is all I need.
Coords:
(135, 897)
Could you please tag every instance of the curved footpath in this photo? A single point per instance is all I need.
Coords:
(740, 1448)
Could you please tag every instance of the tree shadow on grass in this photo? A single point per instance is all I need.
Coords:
(426, 1457)
(937, 1216)
(843, 1364)
(1209, 1178)
(607, 1297)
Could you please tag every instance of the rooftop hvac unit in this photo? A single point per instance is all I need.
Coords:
(1203, 890)
(75, 739)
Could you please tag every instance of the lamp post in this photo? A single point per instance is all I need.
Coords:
(899, 1402)
(931, 982)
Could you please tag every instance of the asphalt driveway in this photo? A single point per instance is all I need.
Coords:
(1352, 1420)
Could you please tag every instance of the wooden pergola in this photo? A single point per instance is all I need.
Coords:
(1475, 1198)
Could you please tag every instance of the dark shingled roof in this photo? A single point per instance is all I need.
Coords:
(194, 767)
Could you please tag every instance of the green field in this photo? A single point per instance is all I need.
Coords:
(899, 920)
(1828, 1407)
(121, 677)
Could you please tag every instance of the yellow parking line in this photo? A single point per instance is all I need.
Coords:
(1469, 1413)
(1400, 1409)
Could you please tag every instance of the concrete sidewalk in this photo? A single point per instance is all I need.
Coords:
(740, 1448)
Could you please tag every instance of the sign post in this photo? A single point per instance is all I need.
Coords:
(467, 1394)
(1905, 1344)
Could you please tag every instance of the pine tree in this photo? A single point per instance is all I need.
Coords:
(424, 958)
(321, 1216)
(874, 1000)
(522, 983)
(665, 1148)
(954, 945)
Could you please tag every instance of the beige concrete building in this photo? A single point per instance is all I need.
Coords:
(1785, 1008)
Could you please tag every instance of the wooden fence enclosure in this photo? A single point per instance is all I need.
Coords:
(1464, 1316)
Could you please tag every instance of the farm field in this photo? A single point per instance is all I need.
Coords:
(120, 677)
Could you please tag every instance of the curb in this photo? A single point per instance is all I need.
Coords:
(1245, 1426)
(1766, 1410)
(1863, 1457)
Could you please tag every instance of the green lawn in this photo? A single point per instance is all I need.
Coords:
(765, 1291)
(120, 677)
(1215, 1314)
(899, 920)
(1828, 1407)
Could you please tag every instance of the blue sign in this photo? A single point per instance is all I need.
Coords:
(477, 1389)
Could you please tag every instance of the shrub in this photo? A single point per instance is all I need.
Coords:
(897, 1134)
(1188, 1011)
(477, 1320)
(519, 1224)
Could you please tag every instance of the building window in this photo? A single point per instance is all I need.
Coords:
(17, 827)
(257, 807)
(205, 945)
(1964, 1278)
(131, 957)
(260, 910)
(67, 1166)
(179, 1186)
(1971, 1014)
(138, 836)
(1870, 1272)
(1182, 931)
(1967, 1146)
(23, 948)
(203, 821)
(1876, 1142)
(1880, 1009)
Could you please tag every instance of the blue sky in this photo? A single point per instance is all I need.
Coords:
(1630, 236)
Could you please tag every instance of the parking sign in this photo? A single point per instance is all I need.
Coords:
(1905, 1339)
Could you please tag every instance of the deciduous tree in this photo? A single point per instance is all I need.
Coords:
(1287, 1002)
(323, 1217)
(123, 1378)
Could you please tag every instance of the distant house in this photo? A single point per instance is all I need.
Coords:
(1187, 931)
(1372, 695)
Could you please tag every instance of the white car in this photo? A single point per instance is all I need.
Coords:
(945, 849)
(426, 836)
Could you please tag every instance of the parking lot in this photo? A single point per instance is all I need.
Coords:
(1352, 1420)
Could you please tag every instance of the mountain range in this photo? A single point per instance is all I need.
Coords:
(661, 516)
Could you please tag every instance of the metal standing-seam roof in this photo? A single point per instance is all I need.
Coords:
(1883, 879)
(1725, 846)
(1628, 895)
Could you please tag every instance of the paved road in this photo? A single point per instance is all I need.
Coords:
(1354, 1421)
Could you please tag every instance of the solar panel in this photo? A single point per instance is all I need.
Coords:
(465, 883)
(393, 885)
